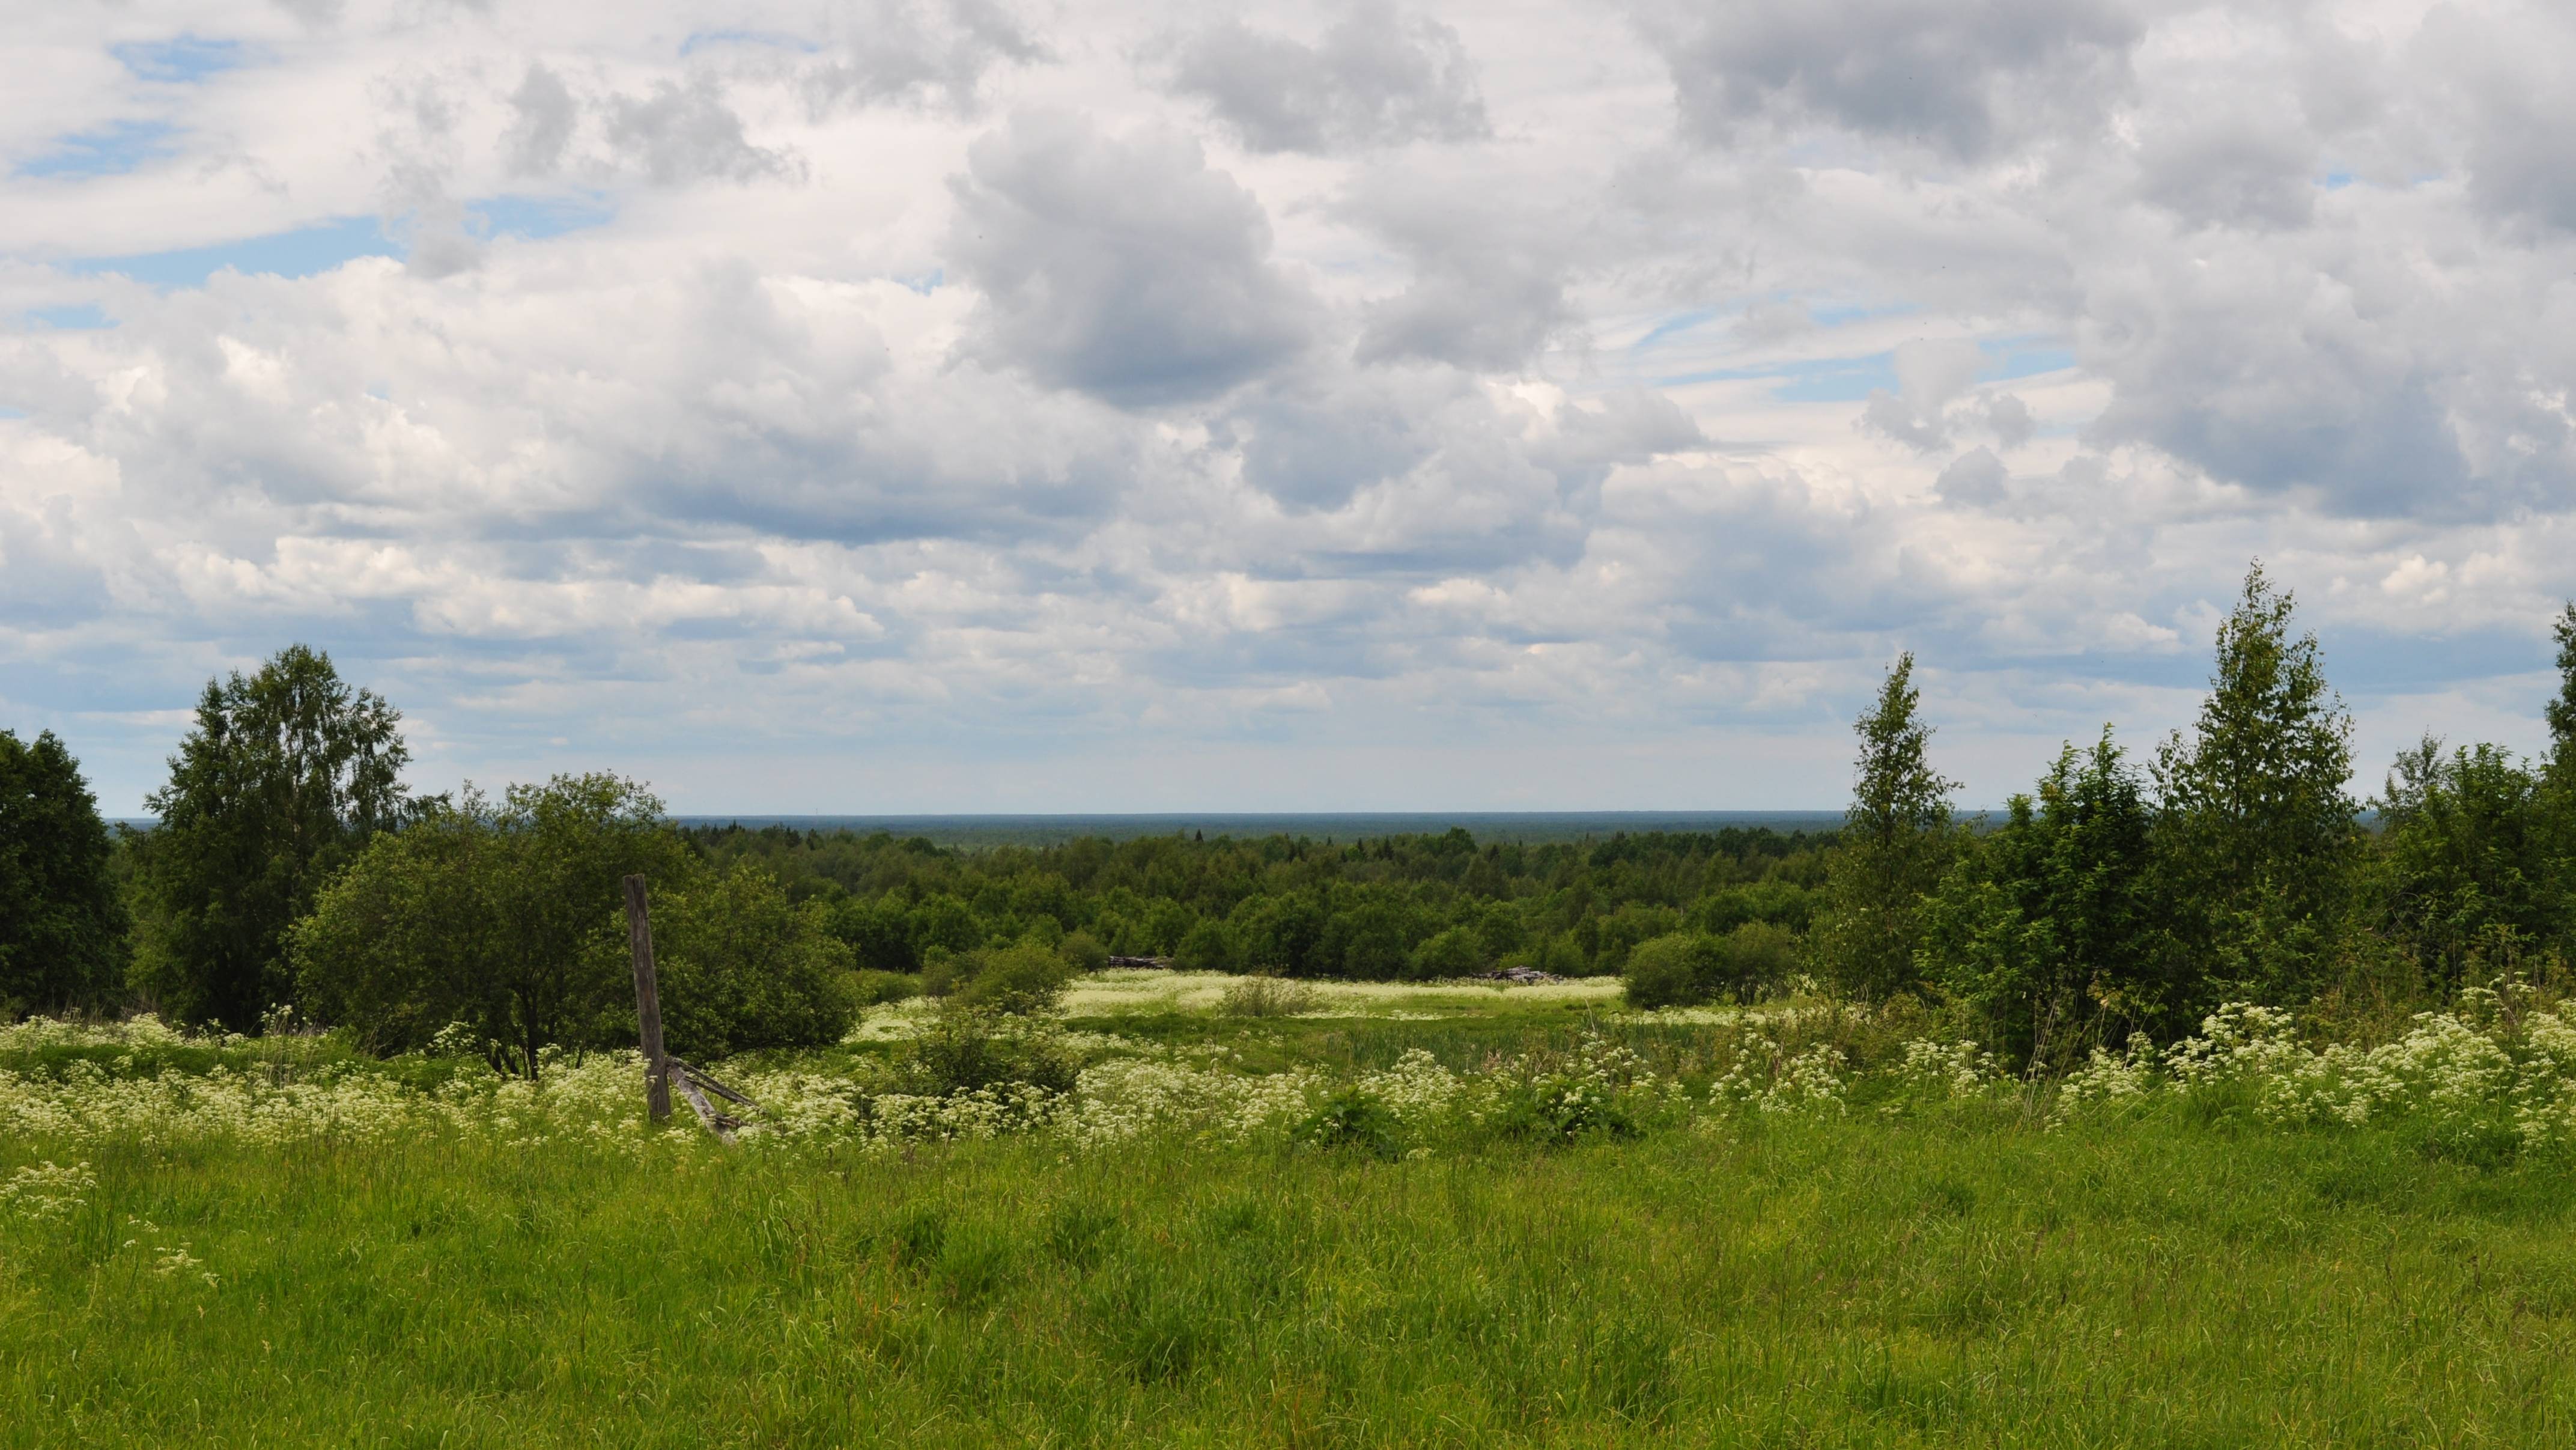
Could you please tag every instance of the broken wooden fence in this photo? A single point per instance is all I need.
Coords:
(661, 1069)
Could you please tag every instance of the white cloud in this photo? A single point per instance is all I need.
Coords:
(954, 403)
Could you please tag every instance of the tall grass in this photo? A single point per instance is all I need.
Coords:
(1801, 1281)
(1802, 1227)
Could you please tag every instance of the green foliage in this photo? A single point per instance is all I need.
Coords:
(1083, 952)
(2259, 828)
(2466, 880)
(1688, 968)
(1677, 970)
(1015, 980)
(740, 967)
(1453, 953)
(1897, 839)
(1353, 1119)
(62, 923)
(963, 1049)
(1288, 906)
(2050, 931)
(495, 915)
(287, 774)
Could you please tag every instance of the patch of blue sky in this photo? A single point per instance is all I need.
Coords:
(538, 217)
(1673, 326)
(1853, 379)
(71, 317)
(2336, 180)
(776, 40)
(8, 412)
(324, 246)
(1822, 380)
(111, 150)
(2011, 358)
(180, 60)
(304, 252)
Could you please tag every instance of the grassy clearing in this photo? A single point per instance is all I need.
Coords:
(264, 1243)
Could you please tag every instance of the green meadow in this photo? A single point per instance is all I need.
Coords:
(247, 1241)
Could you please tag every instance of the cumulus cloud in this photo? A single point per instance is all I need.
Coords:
(543, 114)
(918, 51)
(1379, 76)
(1123, 267)
(1966, 77)
(1123, 406)
(680, 132)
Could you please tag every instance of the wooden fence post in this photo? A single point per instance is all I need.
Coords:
(648, 1003)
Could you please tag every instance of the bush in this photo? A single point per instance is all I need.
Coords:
(1083, 952)
(1014, 980)
(1453, 953)
(1353, 1119)
(1205, 947)
(1267, 997)
(964, 1049)
(875, 988)
(1752, 959)
(1677, 970)
(742, 968)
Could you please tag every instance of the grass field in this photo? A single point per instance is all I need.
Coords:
(255, 1244)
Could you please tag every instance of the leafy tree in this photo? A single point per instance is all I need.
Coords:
(2465, 873)
(2259, 830)
(1452, 953)
(1897, 838)
(2049, 930)
(740, 966)
(286, 776)
(493, 915)
(2560, 768)
(62, 924)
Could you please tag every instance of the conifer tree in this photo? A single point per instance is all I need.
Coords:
(1896, 840)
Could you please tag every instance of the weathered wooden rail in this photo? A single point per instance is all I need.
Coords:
(661, 1070)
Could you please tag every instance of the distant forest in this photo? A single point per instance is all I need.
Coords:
(1404, 906)
(293, 879)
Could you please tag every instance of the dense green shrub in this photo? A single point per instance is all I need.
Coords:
(740, 968)
(1083, 952)
(1453, 953)
(1756, 957)
(1687, 968)
(491, 914)
(1206, 947)
(62, 924)
(1014, 980)
(1675, 970)
(962, 1049)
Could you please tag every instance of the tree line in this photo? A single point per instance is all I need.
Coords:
(2126, 892)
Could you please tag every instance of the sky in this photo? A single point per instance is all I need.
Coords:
(977, 405)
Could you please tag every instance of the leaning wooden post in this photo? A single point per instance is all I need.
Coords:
(648, 1003)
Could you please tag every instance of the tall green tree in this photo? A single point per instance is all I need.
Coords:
(2559, 770)
(287, 774)
(2465, 876)
(2258, 823)
(1897, 838)
(2049, 930)
(62, 922)
(508, 916)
